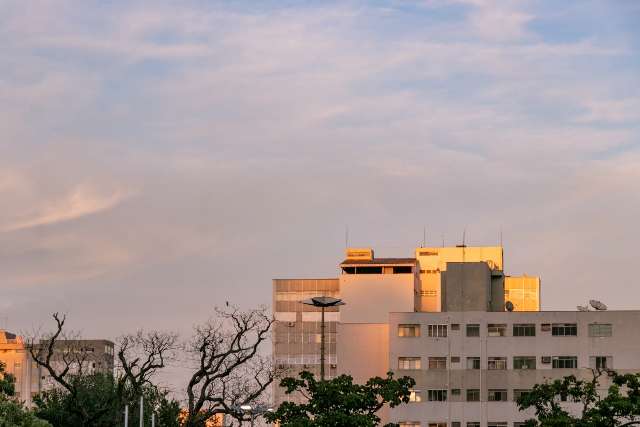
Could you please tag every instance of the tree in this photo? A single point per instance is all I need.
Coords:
(229, 369)
(12, 413)
(619, 407)
(339, 402)
(82, 398)
(58, 406)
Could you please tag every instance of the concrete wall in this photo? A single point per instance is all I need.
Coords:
(363, 350)
(466, 287)
(623, 346)
(370, 297)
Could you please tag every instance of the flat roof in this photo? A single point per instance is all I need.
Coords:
(379, 261)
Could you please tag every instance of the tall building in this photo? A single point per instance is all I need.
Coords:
(31, 379)
(472, 337)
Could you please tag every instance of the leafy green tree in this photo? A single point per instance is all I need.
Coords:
(619, 407)
(12, 413)
(99, 395)
(7, 381)
(339, 402)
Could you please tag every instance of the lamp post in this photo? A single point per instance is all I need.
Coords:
(323, 302)
(252, 410)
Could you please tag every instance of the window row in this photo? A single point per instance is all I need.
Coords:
(500, 329)
(500, 363)
(470, 395)
(460, 424)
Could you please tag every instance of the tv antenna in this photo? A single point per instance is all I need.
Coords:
(424, 236)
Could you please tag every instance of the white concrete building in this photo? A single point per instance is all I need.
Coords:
(441, 317)
(470, 366)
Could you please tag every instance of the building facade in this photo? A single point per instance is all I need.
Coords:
(31, 379)
(434, 280)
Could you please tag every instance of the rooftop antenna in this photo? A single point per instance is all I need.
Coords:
(500, 236)
(424, 236)
(443, 240)
(464, 237)
(346, 236)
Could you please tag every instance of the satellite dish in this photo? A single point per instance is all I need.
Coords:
(597, 305)
(582, 308)
(509, 306)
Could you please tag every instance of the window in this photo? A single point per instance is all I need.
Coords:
(601, 362)
(408, 363)
(437, 424)
(415, 396)
(524, 330)
(600, 329)
(473, 363)
(473, 330)
(437, 395)
(545, 327)
(497, 424)
(497, 395)
(473, 395)
(408, 330)
(519, 424)
(473, 424)
(409, 423)
(437, 363)
(496, 330)
(564, 362)
(455, 359)
(455, 326)
(497, 363)
(455, 392)
(437, 331)
(518, 393)
(564, 329)
(455, 423)
(524, 362)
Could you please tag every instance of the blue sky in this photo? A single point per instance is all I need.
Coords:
(160, 157)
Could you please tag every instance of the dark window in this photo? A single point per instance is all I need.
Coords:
(518, 393)
(402, 270)
(524, 362)
(437, 395)
(473, 395)
(473, 363)
(455, 391)
(497, 395)
(564, 362)
(455, 326)
(564, 329)
(497, 330)
(473, 330)
(524, 330)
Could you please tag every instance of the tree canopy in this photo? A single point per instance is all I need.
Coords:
(339, 401)
(620, 406)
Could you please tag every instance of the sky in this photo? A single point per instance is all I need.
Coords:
(159, 158)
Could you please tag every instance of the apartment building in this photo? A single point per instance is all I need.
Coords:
(31, 379)
(471, 366)
(434, 280)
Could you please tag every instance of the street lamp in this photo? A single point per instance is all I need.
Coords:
(323, 302)
(252, 410)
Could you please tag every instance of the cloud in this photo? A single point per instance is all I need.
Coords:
(82, 201)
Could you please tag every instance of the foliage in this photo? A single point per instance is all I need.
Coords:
(7, 382)
(99, 396)
(619, 407)
(13, 414)
(339, 402)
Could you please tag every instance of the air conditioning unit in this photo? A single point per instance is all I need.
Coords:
(546, 359)
(291, 324)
